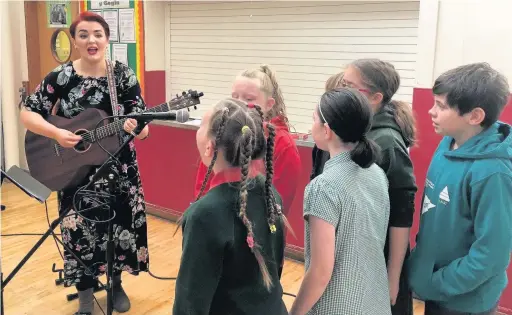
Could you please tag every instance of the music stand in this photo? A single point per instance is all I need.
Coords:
(32, 188)
(27, 183)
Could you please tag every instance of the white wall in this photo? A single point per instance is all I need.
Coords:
(154, 34)
(14, 70)
(474, 31)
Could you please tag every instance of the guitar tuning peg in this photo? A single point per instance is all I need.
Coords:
(195, 107)
(183, 93)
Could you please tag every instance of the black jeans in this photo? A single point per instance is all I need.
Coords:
(432, 308)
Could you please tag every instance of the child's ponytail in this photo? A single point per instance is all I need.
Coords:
(404, 117)
(279, 108)
(365, 153)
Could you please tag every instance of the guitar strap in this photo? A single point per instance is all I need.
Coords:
(112, 88)
(112, 91)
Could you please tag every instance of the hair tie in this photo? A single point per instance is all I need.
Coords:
(250, 241)
(245, 129)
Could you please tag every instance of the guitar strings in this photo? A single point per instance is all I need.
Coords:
(117, 126)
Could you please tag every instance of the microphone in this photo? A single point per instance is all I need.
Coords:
(180, 116)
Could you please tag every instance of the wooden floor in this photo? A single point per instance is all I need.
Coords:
(33, 289)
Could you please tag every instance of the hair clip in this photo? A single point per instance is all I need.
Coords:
(273, 228)
(250, 241)
(245, 129)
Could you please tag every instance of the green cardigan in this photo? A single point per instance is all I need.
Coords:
(219, 274)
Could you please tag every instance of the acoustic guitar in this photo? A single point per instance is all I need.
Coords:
(59, 168)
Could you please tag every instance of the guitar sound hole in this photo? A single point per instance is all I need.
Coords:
(83, 145)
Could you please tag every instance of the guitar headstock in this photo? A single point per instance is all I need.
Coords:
(186, 100)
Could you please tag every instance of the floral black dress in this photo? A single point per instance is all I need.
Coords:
(87, 238)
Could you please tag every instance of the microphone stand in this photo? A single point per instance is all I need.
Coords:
(112, 186)
(110, 243)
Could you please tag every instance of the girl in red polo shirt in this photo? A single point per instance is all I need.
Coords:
(259, 86)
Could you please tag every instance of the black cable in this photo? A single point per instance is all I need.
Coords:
(25, 234)
(92, 194)
(160, 278)
(101, 199)
(119, 162)
(53, 234)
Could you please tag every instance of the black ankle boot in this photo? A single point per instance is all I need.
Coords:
(121, 300)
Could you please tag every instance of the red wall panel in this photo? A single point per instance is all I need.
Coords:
(168, 162)
(295, 215)
(154, 89)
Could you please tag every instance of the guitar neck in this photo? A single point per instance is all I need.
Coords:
(117, 126)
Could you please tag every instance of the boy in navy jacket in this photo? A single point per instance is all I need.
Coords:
(465, 238)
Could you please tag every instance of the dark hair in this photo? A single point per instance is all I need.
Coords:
(238, 131)
(381, 77)
(474, 85)
(89, 17)
(348, 114)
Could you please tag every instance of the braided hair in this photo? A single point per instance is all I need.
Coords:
(273, 209)
(238, 130)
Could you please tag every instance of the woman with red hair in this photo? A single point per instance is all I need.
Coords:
(79, 85)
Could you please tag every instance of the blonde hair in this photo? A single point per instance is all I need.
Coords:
(334, 81)
(268, 84)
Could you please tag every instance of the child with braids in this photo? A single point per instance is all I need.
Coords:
(259, 86)
(233, 239)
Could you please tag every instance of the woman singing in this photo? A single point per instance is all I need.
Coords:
(79, 85)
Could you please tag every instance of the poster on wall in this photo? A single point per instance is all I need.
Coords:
(110, 17)
(126, 26)
(58, 14)
(120, 53)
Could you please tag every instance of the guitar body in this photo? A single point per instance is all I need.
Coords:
(59, 168)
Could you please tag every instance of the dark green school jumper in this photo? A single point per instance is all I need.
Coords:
(219, 275)
(396, 163)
